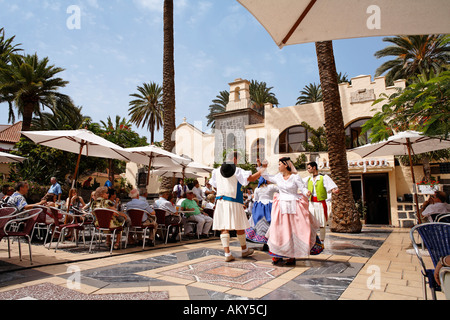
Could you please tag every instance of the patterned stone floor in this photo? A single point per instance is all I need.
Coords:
(190, 271)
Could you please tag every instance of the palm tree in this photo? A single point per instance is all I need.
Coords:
(6, 47)
(345, 215)
(168, 83)
(310, 93)
(414, 55)
(260, 94)
(61, 118)
(219, 105)
(29, 83)
(147, 108)
(313, 92)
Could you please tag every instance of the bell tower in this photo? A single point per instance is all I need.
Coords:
(239, 95)
(230, 131)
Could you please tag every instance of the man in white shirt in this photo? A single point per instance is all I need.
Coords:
(172, 216)
(436, 204)
(149, 217)
(198, 192)
(319, 187)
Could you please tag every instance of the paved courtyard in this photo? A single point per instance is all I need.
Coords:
(376, 264)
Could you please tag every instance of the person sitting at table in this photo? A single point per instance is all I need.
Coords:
(118, 219)
(74, 201)
(172, 216)
(209, 202)
(87, 207)
(435, 205)
(149, 217)
(17, 199)
(204, 222)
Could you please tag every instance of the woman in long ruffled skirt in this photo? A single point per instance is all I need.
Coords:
(292, 231)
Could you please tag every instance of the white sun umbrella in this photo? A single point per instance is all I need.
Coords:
(189, 168)
(174, 174)
(7, 157)
(157, 157)
(81, 142)
(404, 143)
(300, 21)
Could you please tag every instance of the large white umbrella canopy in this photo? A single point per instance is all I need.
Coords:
(404, 143)
(174, 174)
(399, 144)
(7, 157)
(185, 169)
(154, 156)
(81, 142)
(300, 21)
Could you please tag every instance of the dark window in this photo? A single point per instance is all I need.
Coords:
(353, 136)
(291, 139)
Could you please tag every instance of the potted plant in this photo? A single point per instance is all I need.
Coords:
(428, 187)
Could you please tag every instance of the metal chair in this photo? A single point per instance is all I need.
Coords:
(103, 218)
(75, 223)
(136, 226)
(6, 214)
(27, 217)
(42, 224)
(443, 217)
(161, 220)
(436, 239)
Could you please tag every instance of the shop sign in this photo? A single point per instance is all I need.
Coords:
(359, 164)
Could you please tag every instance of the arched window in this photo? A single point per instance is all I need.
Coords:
(291, 139)
(258, 150)
(353, 136)
(231, 141)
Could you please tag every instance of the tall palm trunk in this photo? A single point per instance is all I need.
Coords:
(345, 215)
(168, 83)
(27, 114)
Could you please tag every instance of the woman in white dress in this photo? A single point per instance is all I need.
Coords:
(292, 231)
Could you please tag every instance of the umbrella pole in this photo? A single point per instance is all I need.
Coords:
(76, 168)
(416, 199)
(148, 172)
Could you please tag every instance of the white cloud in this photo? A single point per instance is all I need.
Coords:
(151, 5)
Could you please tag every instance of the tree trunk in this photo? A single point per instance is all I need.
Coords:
(168, 83)
(27, 115)
(345, 216)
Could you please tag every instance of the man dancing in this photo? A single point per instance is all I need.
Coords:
(319, 186)
(229, 213)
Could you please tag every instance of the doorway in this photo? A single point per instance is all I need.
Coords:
(376, 198)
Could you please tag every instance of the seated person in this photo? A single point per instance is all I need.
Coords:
(149, 217)
(204, 222)
(112, 196)
(435, 205)
(17, 199)
(172, 216)
(74, 201)
(102, 201)
(209, 202)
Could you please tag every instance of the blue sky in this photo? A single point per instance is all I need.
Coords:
(119, 46)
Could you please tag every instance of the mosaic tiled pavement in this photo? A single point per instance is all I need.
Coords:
(193, 271)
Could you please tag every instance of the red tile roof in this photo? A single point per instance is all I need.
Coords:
(12, 133)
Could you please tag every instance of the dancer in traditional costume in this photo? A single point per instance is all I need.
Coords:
(261, 213)
(292, 231)
(229, 213)
(319, 187)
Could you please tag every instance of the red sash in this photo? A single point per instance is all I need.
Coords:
(324, 205)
